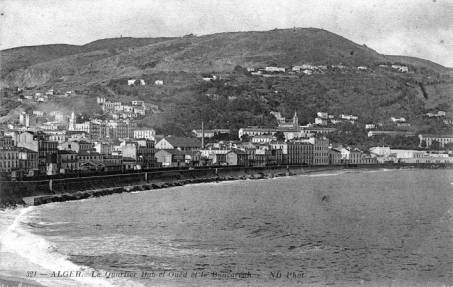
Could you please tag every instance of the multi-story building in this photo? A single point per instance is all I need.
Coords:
(145, 134)
(430, 138)
(263, 139)
(214, 156)
(264, 156)
(356, 156)
(103, 148)
(90, 161)
(6, 141)
(77, 146)
(19, 160)
(142, 151)
(112, 162)
(40, 143)
(122, 129)
(255, 131)
(299, 153)
(56, 136)
(67, 161)
(334, 157)
(28, 161)
(9, 159)
(351, 155)
(320, 150)
(170, 158)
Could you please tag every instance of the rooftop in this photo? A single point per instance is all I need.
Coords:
(183, 141)
(172, 151)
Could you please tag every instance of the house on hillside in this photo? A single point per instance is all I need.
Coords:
(273, 69)
(133, 82)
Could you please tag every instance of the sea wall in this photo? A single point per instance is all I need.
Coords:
(73, 188)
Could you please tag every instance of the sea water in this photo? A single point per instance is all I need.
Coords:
(342, 228)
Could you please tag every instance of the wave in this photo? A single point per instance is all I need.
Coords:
(37, 251)
(324, 174)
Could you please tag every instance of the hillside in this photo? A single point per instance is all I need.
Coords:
(420, 63)
(101, 68)
(110, 58)
(15, 59)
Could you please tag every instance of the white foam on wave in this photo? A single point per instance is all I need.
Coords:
(38, 251)
(324, 174)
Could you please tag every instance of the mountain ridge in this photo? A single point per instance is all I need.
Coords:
(374, 92)
(216, 52)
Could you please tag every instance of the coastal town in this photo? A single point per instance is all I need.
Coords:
(48, 143)
(226, 143)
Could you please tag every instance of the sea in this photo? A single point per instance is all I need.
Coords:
(337, 228)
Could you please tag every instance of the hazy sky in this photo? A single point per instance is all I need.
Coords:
(422, 28)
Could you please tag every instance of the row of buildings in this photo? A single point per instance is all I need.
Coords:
(41, 153)
(310, 69)
(118, 110)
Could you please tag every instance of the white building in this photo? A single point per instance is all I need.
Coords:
(403, 69)
(38, 113)
(275, 69)
(320, 121)
(158, 82)
(349, 117)
(398, 120)
(138, 103)
(145, 134)
(255, 131)
(263, 139)
(441, 139)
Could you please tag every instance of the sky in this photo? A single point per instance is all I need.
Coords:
(420, 28)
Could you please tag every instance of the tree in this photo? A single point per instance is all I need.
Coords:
(449, 146)
(435, 145)
(245, 138)
(423, 144)
(280, 136)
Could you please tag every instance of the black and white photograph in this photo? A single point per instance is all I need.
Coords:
(262, 143)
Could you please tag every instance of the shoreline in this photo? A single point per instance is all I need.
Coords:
(362, 172)
(171, 179)
(13, 282)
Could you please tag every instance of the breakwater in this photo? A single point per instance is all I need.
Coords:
(54, 189)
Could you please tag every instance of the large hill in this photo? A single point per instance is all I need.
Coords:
(110, 58)
(101, 67)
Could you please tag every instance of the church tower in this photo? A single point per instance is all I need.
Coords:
(72, 121)
(295, 121)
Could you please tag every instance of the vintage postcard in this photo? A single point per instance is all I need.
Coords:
(226, 143)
